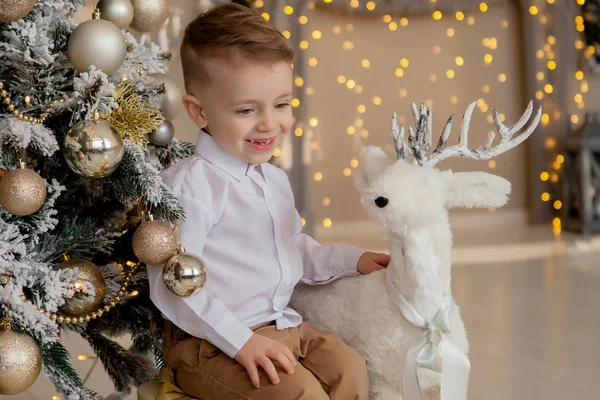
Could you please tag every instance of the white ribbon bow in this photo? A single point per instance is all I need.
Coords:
(425, 354)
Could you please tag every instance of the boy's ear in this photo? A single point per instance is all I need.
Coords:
(475, 189)
(195, 110)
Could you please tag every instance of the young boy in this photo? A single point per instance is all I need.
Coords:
(242, 222)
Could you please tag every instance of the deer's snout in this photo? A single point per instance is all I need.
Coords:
(381, 201)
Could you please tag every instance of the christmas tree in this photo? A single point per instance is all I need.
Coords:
(84, 134)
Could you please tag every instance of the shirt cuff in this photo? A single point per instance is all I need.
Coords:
(230, 335)
(346, 264)
(349, 259)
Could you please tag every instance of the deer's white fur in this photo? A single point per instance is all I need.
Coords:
(359, 309)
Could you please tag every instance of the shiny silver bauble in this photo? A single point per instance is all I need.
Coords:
(93, 148)
(184, 274)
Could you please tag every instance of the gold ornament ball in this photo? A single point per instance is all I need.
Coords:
(93, 148)
(149, 15)
(184, 274)
(170, 105)
(22, 191)
(154, 242)
(97, 42)
(84, 303)
(119, 12)
(14, 10)
(20, 361)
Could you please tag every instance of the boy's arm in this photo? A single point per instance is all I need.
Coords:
(323, 264)
(204, 314)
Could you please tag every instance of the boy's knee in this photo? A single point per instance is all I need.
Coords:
(358, 365)
(307, 390)
(301, 385)
(354, 373)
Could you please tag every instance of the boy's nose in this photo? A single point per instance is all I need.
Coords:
(267, 123)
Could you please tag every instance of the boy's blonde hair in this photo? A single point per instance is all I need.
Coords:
(225, 32)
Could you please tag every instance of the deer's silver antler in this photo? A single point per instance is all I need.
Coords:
(420, 141)
(507, 141)
(402, 151)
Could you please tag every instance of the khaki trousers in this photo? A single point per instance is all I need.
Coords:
(327, 368)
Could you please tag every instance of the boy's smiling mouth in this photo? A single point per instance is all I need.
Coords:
(262, 144)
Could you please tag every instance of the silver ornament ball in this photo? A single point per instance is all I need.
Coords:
(14, 10)
(119, 12)
(93, 148)
(184, 274)
(205, 5)
(149, 15)
(170, 105)
(97, 42)
(163, 135)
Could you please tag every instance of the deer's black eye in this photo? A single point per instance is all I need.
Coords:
(381, 202)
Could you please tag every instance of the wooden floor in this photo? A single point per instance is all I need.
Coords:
(534, 328)
(533, 323)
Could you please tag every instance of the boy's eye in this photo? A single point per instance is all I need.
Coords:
(282, 105)
(245, 111)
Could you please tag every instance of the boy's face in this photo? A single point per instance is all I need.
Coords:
(247, 106)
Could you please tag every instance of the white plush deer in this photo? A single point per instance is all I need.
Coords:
(403, 320)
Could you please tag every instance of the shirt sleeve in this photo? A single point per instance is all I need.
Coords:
(202, 315)
(323, 264)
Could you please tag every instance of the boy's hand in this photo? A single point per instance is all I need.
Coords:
(260, 350)
(370, 262)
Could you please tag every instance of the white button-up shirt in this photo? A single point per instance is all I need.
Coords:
(242, 222)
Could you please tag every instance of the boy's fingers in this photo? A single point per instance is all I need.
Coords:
(269, 368)
(374, 266)
(285, 362)
(382, 259)
(288, 353)
(253, 373)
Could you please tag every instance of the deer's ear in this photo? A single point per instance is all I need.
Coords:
(475, 189)
(372, 165)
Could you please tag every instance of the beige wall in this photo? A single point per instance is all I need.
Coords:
(185, 129)
(335, 106)
(592, 99)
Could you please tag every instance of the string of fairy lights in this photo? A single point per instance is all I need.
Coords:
(546, 53)
(356, 128)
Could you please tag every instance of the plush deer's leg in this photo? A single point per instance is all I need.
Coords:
(459, 333)
(431, 384)
(382, 390)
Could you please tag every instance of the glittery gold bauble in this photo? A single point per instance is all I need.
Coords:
(119, 12)
(184, 274)
(154, 242)
(20, 361)
(83, 303)
(149, 15)
(93, 148)
(22, 191)
(14, 10)
(97, 42)
(170, 105)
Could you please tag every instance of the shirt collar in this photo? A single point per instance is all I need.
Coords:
(208, 148)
